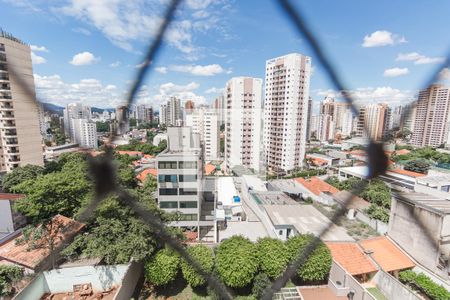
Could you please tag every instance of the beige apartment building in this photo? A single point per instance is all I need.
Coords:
(21, 140)
(431, 117)
(286, 111)
(373, 121)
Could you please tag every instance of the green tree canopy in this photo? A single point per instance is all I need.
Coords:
(260, 284)
(317, 266)
(19, 175)
(57, 192)
(162, 268)
(272, 256)
(236, 261)
(205, 257)
(116, 234)
(419, 166)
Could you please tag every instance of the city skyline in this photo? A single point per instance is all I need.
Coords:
(75, 52)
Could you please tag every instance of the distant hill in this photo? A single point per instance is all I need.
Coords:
(59, 109)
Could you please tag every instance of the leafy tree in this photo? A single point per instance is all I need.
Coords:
(204, 256)
(379, 213)
(236, 261)
(20, 175)
(116, 234)
(54, 193)
(133, 122)
(419, 166)
(162, 268)
(260, 284)
(102, 126)
(9, 275)
(272, 256)
(318, 264)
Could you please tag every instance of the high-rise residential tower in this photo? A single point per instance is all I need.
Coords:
(170, 113)
(75, 111)
(205, 122)
(373, 121)
(21, 140)
(432, 117)
(286, 111)
(243, 123)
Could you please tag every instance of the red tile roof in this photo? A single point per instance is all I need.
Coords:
(9, 196)
(148, 156)
(130, 153)
(402, 152)
(209, 169)
(387, 254)
(407, 173)
(25, 255)
(351, 258)
(316, 185)
(318, 292)
(143, 175)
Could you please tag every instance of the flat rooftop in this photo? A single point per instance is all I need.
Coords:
(306, 219)
(438, 205)
(435, 180)
(362, 171)
(273, 198)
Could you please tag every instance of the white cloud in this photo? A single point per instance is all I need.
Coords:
(207, 70)
(395, 72)
(419, 59)
(126, 22)
(162, 70)
(367, 95)
(38, 48)
(82, 31)
(444, 74)
(115, 64)
(215, 90)
(89, 91)
(198, 4)
(381, 38)
(83, 59)
(184, 92)
(37, 60)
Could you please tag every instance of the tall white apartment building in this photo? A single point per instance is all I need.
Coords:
(205, 122)
(431, 125)
(84, 133)
(220, 106)
(373, 121)
(75, 111)
(286, 111)
(20, 136)
(243, 123)
(170, 114)
(347, 118)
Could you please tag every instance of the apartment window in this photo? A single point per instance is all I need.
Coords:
(188, 217)
(168, 204)
(188, 191)
(188, 178)
(188, 204)
(167, 178)
(188, 165)
(167, 165)
(168, 192)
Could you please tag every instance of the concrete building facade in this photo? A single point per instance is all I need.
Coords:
(21, 140)
(205, 122)
(180, 174)
(431, 117)
(286, 111)
(243, 123)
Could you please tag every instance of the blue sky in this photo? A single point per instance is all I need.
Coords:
(89, 51)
